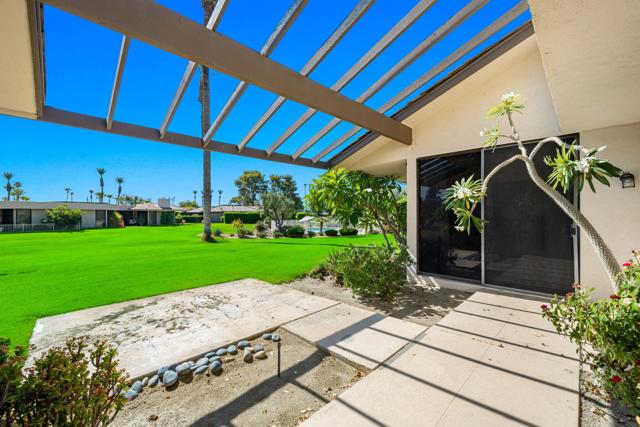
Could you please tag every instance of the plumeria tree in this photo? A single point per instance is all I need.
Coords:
(572, 164)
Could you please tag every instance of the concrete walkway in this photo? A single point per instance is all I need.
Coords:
(492, 362)
(170, 328)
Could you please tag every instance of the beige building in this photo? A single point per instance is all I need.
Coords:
(578, 70)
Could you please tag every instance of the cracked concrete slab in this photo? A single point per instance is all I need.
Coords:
(164, 329)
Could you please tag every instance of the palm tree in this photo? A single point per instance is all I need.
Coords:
(91, 195)
(67, 190)
(72, 193)
(101, 172)
(119, 180)
(195, 193)
(8, 176)
(109, 196)
(17, 191)
(219, 196)
(205, 121)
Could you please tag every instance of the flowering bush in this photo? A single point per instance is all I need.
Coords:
(607, 332)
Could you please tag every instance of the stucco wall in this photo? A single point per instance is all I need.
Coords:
(452, 122)
(37, 215)
(88, 219)
(613, 211)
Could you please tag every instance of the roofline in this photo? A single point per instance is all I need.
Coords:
(466, 70)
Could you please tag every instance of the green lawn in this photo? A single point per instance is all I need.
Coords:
(42, 274)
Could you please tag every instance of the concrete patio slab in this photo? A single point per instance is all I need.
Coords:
(493, 361)
(359, 336)
(156, 331)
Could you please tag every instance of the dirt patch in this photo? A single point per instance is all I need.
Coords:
(248, 394)
(597, 408)
(414, 303)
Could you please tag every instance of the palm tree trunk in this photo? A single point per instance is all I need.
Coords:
(205, 120)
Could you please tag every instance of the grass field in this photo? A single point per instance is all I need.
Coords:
(42, 274)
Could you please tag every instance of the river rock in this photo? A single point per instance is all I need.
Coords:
(232, 349)
(244, 343)
(261, 354)
(221, 352)
(210, 354)
(137, 386)
(214, 358)
(145, 381)
(183, 368)
(202, 361)
(267, 337)
(200, 369)
(215, 367)
(162, 370)
(258, 348)
(248, 355)
(276, 338)
(131, 394)
(169, 378)
(153, 381)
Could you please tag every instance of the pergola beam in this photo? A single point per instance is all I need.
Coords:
(161, 27)
(212, 25)
(426, 44)
(115, 90)
(396, 31)
(271, 43)
(458, 54)
(321, 53)
(83, 121)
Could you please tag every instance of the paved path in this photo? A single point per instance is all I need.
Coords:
(492, 362)
(170, 328)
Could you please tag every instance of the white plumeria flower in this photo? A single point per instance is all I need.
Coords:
(509, 96)
(459, 228)
(584, 166)
(627, 301)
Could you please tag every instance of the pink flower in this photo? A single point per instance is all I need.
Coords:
(544, 307)
(614, 296)
(616, 379)
(627, 264)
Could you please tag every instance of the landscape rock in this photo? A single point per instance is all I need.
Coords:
(244, 343)
(131, 394)
(261, 354)
(214, 358)
(232, 349)
(258, 348)
(137, 386)
(162, 370)
(153, 381)
(267, 337)
(210, 354)
(191, 363)
(215, 367)
(221, 352)
(200, 369)
(202, 361)
(169, 378)
(276, 338)
(248, 355)
(145, 381)
(183, 368)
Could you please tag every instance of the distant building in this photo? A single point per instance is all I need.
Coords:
(94, 215)
(217, 212)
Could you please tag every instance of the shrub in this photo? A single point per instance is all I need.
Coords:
(278, 234)
(179, 217)
(260, 227)
(245, 217)
(295, 231)
(311, 233)
(370, 271)
(217, 232)
(63, 216)
(70, 385)
(607, 333)
(330, 232)
(167, 218)
(348, 232)
(11, 363)
(262, 234)
(192, 219)
(114, 219)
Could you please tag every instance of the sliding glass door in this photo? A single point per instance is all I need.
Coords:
(528, 241)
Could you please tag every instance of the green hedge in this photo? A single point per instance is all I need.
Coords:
(348, 232)
(295, 232)
(330, 232)
(245, 217)
(167, 218)
(300, 215)
(192, 219)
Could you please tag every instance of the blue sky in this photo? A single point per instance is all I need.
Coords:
(80, 64)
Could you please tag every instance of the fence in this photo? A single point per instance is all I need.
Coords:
(28, 228)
